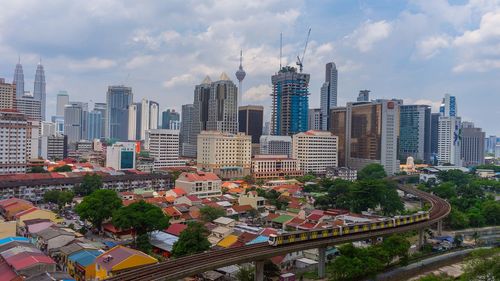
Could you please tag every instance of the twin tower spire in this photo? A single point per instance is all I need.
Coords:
(39, 89)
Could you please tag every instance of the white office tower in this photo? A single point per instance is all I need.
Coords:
(62, 101)
(315, 150)
(121, 156)
(328, 94)
(276, 145)
(132, 122)
(314, 119)
(449, 140)
(15, 133)
(163, 146)
(30, 107)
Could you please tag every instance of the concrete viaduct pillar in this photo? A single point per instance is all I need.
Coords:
(440, 227)
(420, 239)
(321, 262)
(259, 270)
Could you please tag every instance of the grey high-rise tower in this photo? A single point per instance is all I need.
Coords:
(118, 99)
(39, 89)
(240, 75)
(62, 101)
(19, 79)
(223, 106)
(328, 94)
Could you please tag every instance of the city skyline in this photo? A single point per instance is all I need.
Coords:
(424, 46)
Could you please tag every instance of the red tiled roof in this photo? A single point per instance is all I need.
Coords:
(179, 191)
(156, 200)
(24, 260)
(306, 226)
(176, 229)
(193, 198)
(277, 260)
(295, 222)
(246, 237)
(272, 216)
(128, 202)
(7, 272)
(242, 208)
(171, 211)
(268, 231)
(18, 215)
(314, 217)
(199, 176)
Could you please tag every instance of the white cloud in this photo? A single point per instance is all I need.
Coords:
(369, 33)
(91, 64)
(431, 46)
(179, 80)
(434, 104)
(139, 61)
(258, 93)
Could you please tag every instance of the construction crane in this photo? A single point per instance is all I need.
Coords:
(299, 59)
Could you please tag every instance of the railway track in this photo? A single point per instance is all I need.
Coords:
(198, 263)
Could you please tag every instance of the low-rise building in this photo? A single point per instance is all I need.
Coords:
(252, 199)
(53, 238)
(120, 258)
(81, 265)
(201, 184)
(343, 173)
(121, 156)
(315, 150)
(275, 166)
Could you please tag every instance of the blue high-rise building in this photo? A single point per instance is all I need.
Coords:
(168, 118)
(118, 99)
(94, 125)
(415, 132)
(290, 102)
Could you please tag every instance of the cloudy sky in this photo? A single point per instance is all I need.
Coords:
(417, 50)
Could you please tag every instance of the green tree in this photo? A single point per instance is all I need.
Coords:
(249, 179)
(175, 175)
(99, 206)
(140, 216)
(64, 168)
(246, 273)
(457, 177)
(271, 270)
(484, 264)
(191, 241)
(339, 193)
(323, 202)
(458, 240)
(90, 183)
(457, 219)
(306, 178)
(209, 214)
(372, 172)
(61, 198)
(37, 169)
(397, 246)
(491, 212)
(433, 277)
(142, 243)
(445, 190)
(476, 219)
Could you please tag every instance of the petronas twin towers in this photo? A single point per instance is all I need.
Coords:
(39, 85)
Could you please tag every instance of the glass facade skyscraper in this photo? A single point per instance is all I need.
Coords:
(118, 99)
(328, 94)
(39, 89)
(167, 117)
(415, 132)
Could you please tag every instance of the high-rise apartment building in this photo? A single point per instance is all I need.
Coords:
(62, 101)
(371, 134)
(315, 150)
(163, 146)
(472, 147)
(328, 94)
(223, 106)
(186, 144)
(19, 79)
(290, 103)
(30, 107)
(94, 125)
(448, 107)
(449, 140)
(75, 122)
(101, 107)
(415, 132)
(227, 155)
(133, 118)
(315, 119)
(250, 121)
(15, 135)
(118, 99)
(276, 145)
(364, 95)
(7, 95)
(39, 88)
(168, 119)
(142, 117)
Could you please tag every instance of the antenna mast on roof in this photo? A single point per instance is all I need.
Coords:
(281, 47)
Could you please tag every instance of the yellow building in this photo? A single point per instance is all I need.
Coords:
(119, 258)
(81, 265)
(35, 213)
(7, 229)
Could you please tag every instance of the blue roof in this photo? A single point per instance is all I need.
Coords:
(85, 257)
(163, 240)
(259, 239)
(110, 244)
(7, 240)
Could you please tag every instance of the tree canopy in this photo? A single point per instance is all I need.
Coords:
(99, 206)
(64, 168)
(209, 213)
(141, 216)
(90, 183)
(191, 241)
(61, 198)
(37, 169)
(372, 171)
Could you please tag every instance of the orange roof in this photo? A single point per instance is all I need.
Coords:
(179, 191)
(236, 190)
(156, 200)
(128, 202)
(170, 199)
(18, 215)
(171, 211)
(198, 176)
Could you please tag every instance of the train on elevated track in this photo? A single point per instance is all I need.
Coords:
(299, 236)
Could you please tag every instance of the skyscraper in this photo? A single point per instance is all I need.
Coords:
(415, 132)
(328, 94)
(118, 99)
(448, 107)
(101, 107)
(472, 148)
(434, 136)
(62, 101)
(449, 140)
(250, 121)
(39, 88)
(144, 117)
(315, 119)
(240, 75)
(7, 95)
(186, 146)
(199, 117)
(290, 103)
(490, 144)
(167, 117)
(133, 118)
(19, 79)
(94, 125)
(368, 133)
(364, 95)
(223, 106)
(75, 114)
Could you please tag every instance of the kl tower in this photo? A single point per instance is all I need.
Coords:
(240, 75)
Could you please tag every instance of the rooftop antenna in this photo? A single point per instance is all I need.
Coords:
(281, 47)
